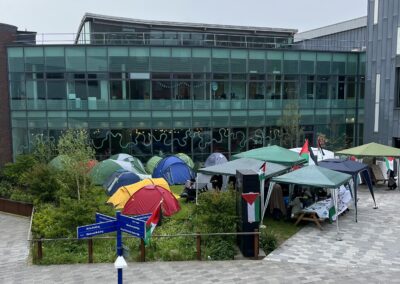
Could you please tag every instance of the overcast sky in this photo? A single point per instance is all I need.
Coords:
(61, 16)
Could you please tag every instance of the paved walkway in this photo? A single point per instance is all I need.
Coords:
(369, 253)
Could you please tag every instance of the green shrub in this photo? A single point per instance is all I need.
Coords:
(220, 249)
(268, 240)
(13, 172)
(5, 189)
(216, 212)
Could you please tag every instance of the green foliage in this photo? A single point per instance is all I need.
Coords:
(268, 240)
(5, 189)
(61, 221)
(216, 212)
(43, 183)
(13, 172)
(290, 125)
(44, 148)
(220, 248)
(75, 144)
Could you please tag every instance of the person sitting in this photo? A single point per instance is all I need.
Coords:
(191, 191)
(216, 182)
(188, 185)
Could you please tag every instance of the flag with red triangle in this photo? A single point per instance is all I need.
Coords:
(152, 222)
(261, 172)
(305, 153)
(253, 206)
(389, 163)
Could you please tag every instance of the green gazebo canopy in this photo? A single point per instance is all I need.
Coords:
(314, 176)
(273, 154)
(371, 150)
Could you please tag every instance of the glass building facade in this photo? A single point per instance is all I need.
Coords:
(145, 100)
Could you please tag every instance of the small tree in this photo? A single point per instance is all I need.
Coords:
(44, 148)
(75, 144)
(290, 125)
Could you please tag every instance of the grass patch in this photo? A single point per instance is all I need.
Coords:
(282, 229)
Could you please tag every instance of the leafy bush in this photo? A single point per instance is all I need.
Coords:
(220, 249)
(216, 212)
(5, 189)
(43, 183)
(13, 172)
(268, 240)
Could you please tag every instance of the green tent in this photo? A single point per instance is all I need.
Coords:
(152, 163)
(371, 150)
(103, 170)
(188, 161)
(136, 163)
(314, 176)
(59, 162)
(273, 154)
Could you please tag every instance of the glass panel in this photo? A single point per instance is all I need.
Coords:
(55, 60)
(323, 63)
(290, 90)
(162, 141)
(291, 63)
(238, 140)
(201, 90)
(220, 141)
(352, 64)
(339, 63)
(274, 62)
(139, 89)
(118, 58)
(181, 90)
(36, 94)
(161, 90)
(182, 141)
(220, 90)
(15, 59)
(96, 59)
(238, 91)
(139, 58)
(256, 90)
(75, 59)
(34, 59)
(307, 63)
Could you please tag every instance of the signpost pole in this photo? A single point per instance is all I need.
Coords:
(119, 250)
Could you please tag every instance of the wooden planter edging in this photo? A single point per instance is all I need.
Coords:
(16, 207)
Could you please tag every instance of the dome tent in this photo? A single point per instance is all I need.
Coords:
(186, 159)
(215, 159)
(137, 164)
(103, 170)
(59, 162)
(174, 170)
(152, 163)
(118, 179)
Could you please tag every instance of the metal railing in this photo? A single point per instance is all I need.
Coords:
(185, 39)
(38, 244)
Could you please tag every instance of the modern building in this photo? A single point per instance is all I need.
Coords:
(382, 124)
(145, 87)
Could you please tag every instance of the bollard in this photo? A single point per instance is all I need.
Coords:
(142, 251)
(90, 250)
(39, 250)
(256, 244)
(198, 246)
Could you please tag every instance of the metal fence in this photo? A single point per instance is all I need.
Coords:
(38, 244)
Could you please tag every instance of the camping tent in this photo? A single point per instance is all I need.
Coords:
(317, 153)
(103, 170)
(148, 198)
(352, 168)
(136, 163)
(152, 163)
(118, 179)
(173, 170)
(313, 176)
(202, 179)
(273, 154)
(59, 162)
(215, 159)
(186, 159)
(122, 195)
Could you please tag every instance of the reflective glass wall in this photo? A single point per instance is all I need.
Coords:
(147, 101)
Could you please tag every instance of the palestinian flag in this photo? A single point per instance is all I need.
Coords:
(151, 223)
(261, 172)
(389, 163)
(304, 152)
(253, 206)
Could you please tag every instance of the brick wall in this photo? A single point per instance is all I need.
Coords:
(7, 35)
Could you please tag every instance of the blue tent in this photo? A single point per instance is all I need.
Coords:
(118, 179)
(173, 170)
(353, 168)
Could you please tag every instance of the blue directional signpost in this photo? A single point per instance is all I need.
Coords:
(135, 226)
